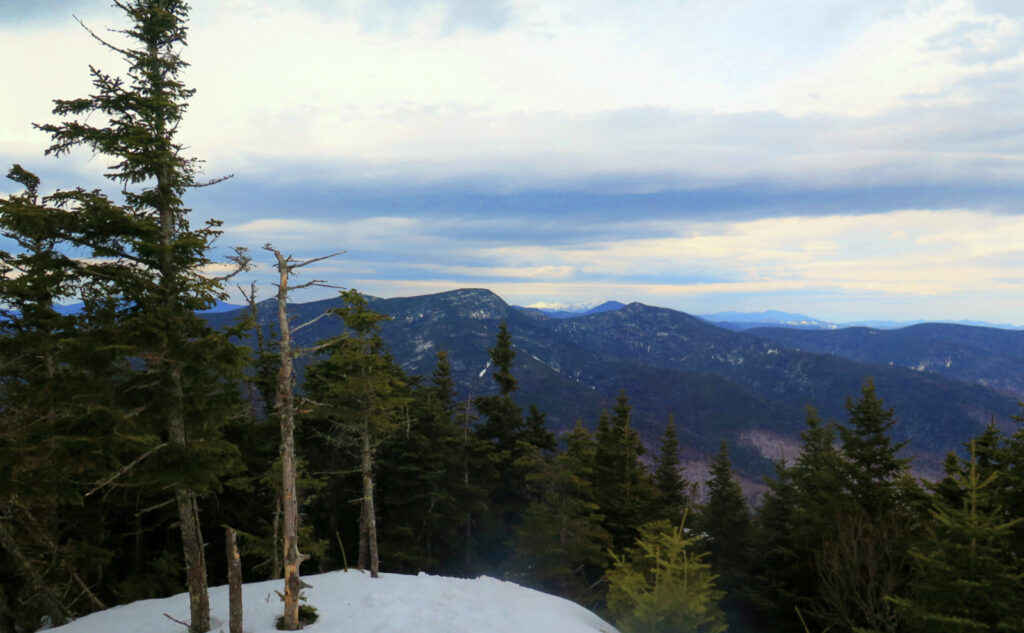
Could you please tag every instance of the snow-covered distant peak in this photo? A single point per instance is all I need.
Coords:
(565, 307)
(352, 602)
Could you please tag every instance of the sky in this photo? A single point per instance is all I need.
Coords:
(845, 159)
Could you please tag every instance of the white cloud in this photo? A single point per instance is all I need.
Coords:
(561, 90)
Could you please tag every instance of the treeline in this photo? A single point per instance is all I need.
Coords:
(132, 434)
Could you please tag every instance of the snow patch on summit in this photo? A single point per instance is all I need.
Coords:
(352, 602)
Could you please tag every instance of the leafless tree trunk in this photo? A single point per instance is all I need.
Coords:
(369, 515)
(284, 406)
(234, 584)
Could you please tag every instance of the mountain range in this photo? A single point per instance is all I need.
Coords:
(749, 388)
(774, 318)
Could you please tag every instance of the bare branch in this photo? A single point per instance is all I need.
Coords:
(124, 470)
(310, 322)
(155, 507)
(319, 283)
(100, 39)
(315, 348)
(315, 259)
(214, 181)
(184, 624)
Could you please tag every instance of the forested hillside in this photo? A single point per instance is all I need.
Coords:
(981, 355)
(718, 383)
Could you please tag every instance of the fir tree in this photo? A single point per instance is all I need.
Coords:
(561, 546)
(359, 395)
(797, 514)
(424, 498)
(663, 585)
(964, 580)
(536, 432)
(864, 555)
(776, 559)
(624, 489)
(48, 383)
(507, 439)
(874, 473)
(725, 519)
(152, 262)
(673, 490)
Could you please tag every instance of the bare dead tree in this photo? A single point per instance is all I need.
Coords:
(285, 408)
(234, 583)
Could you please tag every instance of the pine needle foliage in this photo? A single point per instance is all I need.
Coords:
(964, 582)
(663, 586)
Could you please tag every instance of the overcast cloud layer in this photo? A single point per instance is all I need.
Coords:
(844, 159)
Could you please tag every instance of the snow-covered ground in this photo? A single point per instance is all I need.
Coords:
(352, 602)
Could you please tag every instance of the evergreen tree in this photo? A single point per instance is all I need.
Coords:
(964, 579)
(673, 490)
(624, 489)
(874, 473)
(56, 434)
(424, 498)
(776, 561)
(359, 395)
(726, 521)
(511, 456)
(561, 546)
(864, 557)
(536, 432)
(151, 261)
(798, 512)
(663, 585)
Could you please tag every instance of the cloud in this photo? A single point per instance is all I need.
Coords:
(675, 94)
(24, 12)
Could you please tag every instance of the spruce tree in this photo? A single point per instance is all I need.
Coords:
(664, 585)
(46, 443)
(624, 489)
(775, 557)
(807, 505)
(673, 490)
(965, 578)
(875, 475)
(726, 521)
(424, 498)
(863, 557)
(152, 261)
(360, 396)
(560, 547)
(510, 456)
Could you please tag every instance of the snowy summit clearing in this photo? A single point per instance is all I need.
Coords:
(352, 602)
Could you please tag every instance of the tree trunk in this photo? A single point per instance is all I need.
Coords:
(363, 561)
(465, 482)
(285, 406)
(50, 602)
(369, 515)
(195, 560)
(188, 516)
(234, 584)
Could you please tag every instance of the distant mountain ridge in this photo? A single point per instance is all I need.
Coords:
(718, 383)
(558, 311)
(986, 356)
(774, 318)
